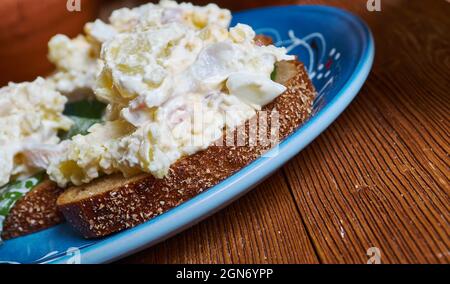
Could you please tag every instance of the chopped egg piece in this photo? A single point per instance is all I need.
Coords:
(253, 89)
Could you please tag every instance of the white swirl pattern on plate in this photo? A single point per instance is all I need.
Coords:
(319, 64)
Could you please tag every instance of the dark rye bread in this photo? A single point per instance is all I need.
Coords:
(34, 212)
(114, 203)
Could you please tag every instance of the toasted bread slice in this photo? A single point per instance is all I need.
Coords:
(262, 40)
(34, 212)
(113, 203)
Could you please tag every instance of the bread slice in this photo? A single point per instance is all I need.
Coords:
(113, 203)
(262, 40)
(34, 212)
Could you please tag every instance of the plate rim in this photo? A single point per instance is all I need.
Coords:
(214, 199)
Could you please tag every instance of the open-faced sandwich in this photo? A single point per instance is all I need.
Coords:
(142, 113)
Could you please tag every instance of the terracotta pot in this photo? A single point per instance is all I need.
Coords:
(25, 28)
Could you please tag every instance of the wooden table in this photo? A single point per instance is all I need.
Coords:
(378, 177)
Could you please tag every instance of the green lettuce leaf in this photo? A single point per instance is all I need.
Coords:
(84, 114)
(273, 75)
(80, 126)
(86, 109)
(14, 191)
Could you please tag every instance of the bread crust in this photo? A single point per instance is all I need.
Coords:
(34, 212)
(114, 203)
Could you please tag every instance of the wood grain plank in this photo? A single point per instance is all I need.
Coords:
(379, 176)
(262, 227)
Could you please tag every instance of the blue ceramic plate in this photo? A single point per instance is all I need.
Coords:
(337, 49)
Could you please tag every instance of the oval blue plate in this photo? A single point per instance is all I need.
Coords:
(337, 49)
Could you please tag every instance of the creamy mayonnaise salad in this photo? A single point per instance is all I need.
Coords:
(30, 118)
(77, 65)
(77, 60)
(173, 77)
